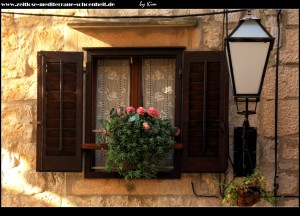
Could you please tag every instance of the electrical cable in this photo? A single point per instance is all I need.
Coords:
(276, 103)
(123, 17)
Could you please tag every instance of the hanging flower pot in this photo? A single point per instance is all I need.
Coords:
(248, 197)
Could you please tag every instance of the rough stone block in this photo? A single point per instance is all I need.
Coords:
(47, 38)
(293, 17)
(290, 148)
(10, 201)
(45, 199)
(155, 12)
(290, 51)
(288, 202)
(288, 184)
(233, 17)
(16, 120)
(19, 89)
(265, 150)
(287, 118)
(213, 37)
(288, 83)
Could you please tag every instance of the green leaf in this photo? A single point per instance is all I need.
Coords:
(133, 118)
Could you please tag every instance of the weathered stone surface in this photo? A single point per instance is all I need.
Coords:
(290, 51)
(288, 83)
(290, 148)
(154, 12)
(49, 38)
(213, 37)
(265, 150)
(79, 186)
(233, 17)
(288, 183)
(133, 37)
(288, 202)
(293, 17)
(287, 118)
(180, 12)
(19, 89)
(9, 201)
(140, 201)
(15, 182)
(10, 39)
(45, 199)
(6, 20)
(289, 166)
(16, 121)
(112, 12)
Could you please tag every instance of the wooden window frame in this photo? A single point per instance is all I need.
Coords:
(93, 54)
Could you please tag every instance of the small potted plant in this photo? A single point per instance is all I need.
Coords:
(138, 141)
(246, 191)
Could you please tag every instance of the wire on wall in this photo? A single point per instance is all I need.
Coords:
(276, 102)
(124, 17)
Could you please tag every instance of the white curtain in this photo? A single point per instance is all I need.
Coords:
(159, 86)
(113, 90)
(113, 86)
(159, 92)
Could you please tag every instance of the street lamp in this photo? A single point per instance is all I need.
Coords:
(248, 49)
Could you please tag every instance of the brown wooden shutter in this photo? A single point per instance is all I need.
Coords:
(204, 112)
(59, 111)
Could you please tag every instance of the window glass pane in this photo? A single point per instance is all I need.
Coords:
(113, 90)
(159, 92)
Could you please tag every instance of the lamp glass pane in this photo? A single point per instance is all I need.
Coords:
(248, 60)
(250, 28)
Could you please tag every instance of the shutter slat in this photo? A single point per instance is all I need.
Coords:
(59, 137)
(205, 107)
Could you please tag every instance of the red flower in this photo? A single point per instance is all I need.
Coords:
(129, 109)
(141, 110)
(153, 112)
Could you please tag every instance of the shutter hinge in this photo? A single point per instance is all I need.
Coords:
(36, 122)
(131, 60)
(180, 73)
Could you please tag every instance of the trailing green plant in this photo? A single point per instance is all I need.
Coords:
(253, 185)
(138, 141)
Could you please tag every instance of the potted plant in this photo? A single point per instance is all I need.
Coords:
(246, 191)
(138, 141)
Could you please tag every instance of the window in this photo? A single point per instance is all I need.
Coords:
(131, 77)
(189, 87)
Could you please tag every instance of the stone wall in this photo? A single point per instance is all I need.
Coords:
(21, 38)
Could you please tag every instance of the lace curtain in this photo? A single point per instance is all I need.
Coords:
(159, 86)
(113, 86)
(159, 92)
(113, 90)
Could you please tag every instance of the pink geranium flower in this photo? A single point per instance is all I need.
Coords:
(177, 133)
(141, 110)
(146, 126)
(153, 112)
(129, 109)
(119, 110)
